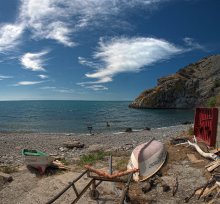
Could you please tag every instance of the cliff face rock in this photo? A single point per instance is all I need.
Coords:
(191, 86)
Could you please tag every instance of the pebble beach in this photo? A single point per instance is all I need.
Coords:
(12, 143)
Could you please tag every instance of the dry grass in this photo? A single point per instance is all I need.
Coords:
(8, 169)
(121, 163)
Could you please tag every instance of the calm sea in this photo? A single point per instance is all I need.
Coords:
(76, 116)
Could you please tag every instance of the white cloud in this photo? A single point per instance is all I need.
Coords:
(60, 90)
(27, 83)
(68, 91)
(10, 36)
(97, 87)
(60, 32)
(33, 61)
(192, 44)
(5, 77)
(59, 19)
(42, 76)
(121, 55)
(48, 87)
(91, 64)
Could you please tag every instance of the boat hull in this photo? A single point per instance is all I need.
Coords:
(37, 159)
(148, 158)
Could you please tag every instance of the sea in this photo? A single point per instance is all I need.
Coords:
(80, 116)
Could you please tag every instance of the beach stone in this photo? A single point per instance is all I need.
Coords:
(146, 187)
(63, 149)
(6, 177)
(147, 128)
(186, 123)
(128, 129)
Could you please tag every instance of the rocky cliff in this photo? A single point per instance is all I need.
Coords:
(191, 86)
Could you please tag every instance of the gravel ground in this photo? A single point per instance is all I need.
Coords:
(28, 188)
(12, 143)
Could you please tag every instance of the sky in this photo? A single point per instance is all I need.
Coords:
(100, 49)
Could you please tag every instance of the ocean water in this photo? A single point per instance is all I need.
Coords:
(76, 116)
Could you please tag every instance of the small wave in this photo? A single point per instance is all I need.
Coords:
(137, 130)
(118, 133)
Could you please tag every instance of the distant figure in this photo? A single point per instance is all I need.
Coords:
(90, 129)
(107, 124)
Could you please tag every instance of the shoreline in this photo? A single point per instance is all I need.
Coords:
(97, 132)
(53, 143)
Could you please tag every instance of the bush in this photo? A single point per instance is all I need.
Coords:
(218, 100)
(92, 158)
(212, 102)
(217, 83)
(191, 131)
(8, 169)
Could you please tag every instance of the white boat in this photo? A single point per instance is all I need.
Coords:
(148, 158)
(37, 159)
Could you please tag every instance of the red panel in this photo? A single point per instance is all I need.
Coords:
(205, 125)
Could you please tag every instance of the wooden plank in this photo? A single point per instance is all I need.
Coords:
(193, 159)
(214, 166)
(207, 190)
(214, 151)
(210, 164)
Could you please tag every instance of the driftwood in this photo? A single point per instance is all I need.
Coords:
(199, 150)
(191, 195)
(111, 176)
(202, 188)
(207, 191)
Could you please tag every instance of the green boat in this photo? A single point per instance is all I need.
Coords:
(37, 159)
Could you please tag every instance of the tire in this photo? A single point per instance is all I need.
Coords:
(94, 194)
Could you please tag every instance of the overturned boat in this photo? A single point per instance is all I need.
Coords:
(148, 158)
(37, 159)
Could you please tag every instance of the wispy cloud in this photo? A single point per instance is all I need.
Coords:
(28, 83)
(48, 87)
(192, 44)
(42, 76)
(60, 19)
(88, 63)
(120, 55)
(10, 36)
(67, 91)
(5, 77)
(34, 61)
(97, 87)
(59, 90)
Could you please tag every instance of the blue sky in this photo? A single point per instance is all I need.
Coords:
(100, 49)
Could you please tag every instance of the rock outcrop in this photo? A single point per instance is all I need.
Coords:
(190, 87)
